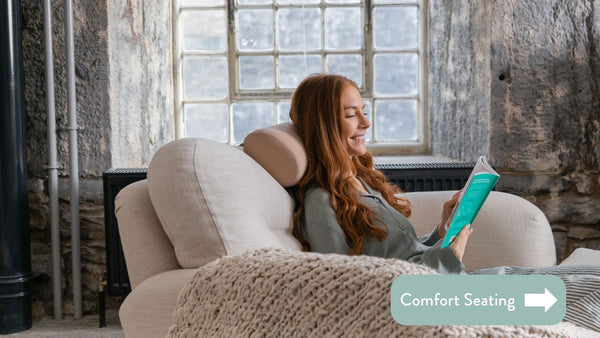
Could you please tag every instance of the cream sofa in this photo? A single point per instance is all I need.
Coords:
(204, 200)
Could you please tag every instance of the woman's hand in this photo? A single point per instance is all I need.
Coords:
(460, 242)
(446, 211)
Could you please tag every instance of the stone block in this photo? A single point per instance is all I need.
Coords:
(459, 78)
(35, 184)
(571, 209)
(93, 251)
(92, 275)
(41, 258)
(141, 102)
(39, 210)
(584, 182)
(38, 310)
(90, 190)
(583, 233)
(532, 183)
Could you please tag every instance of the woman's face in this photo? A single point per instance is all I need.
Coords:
(354, 121)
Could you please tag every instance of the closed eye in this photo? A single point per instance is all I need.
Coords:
(353, 110)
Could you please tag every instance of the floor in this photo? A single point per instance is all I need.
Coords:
(88, 326)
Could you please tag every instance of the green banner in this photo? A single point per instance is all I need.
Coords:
(478, 300)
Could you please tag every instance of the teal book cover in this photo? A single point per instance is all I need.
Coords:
(479, 185)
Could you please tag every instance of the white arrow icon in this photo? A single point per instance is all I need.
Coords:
(545, 299)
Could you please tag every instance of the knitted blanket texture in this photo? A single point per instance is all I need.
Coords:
(276, 293)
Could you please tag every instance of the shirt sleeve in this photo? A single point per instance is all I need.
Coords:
(320, 227)
(431, 238)
(443, 260)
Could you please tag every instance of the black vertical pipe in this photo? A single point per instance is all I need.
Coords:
(16, 276)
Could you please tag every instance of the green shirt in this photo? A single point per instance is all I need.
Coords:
(320, 228)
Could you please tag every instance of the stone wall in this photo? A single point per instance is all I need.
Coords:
(546, 112)
(141, 85)
(93, 143)
(543, 106)
(124, 103)
(459, 78)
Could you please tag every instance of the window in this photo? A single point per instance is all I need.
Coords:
(237, 63)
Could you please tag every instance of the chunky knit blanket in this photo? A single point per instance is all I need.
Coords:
(275, 293)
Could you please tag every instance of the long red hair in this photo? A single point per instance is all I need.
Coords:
(316, 111)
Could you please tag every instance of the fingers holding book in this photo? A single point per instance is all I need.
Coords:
(446, 212)
(459, 243)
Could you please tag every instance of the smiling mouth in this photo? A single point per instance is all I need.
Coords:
(356, 138)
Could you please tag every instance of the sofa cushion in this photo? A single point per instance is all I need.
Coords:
(214, 200)
(148, 310)
(139, 228)
(280, 151)
(582, 256)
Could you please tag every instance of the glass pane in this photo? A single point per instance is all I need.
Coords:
(256, 72)
(283, 111)
(396, 120)
(396, 74)
(348, 65)
(343, 28)
(206, 120)
(298, 2)
(204, 30)
(255, 2)
(299, 29)
(396, 27)
(396, 1)
(255, 29)
(343, 1)
(294, 68)
(204, 77)
(249, 116)
(200, 3)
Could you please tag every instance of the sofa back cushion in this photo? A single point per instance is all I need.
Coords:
(214, 200)
(280, 151)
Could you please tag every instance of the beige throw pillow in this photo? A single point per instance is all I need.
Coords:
(214, 200)
(280, 151)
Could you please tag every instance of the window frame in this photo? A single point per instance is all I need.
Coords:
(381, 148)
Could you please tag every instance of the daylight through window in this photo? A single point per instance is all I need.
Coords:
(237, 63)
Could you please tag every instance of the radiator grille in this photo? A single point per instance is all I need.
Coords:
(427, 176)
(409, 177)
(116, 271)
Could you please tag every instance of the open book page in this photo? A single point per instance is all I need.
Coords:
(473, 195)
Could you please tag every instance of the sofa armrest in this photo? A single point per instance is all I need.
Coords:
(146, 247)
(582, 256)
(509, 230)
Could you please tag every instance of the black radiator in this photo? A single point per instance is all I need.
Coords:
(412, 177)
(117, 278)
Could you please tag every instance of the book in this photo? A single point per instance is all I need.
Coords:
(481, 182)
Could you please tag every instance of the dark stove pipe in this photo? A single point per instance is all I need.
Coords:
(16, 277)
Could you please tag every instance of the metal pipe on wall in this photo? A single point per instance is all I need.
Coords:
(73, 159)
(52, 164)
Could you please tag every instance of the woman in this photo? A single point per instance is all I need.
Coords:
(345, 206)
